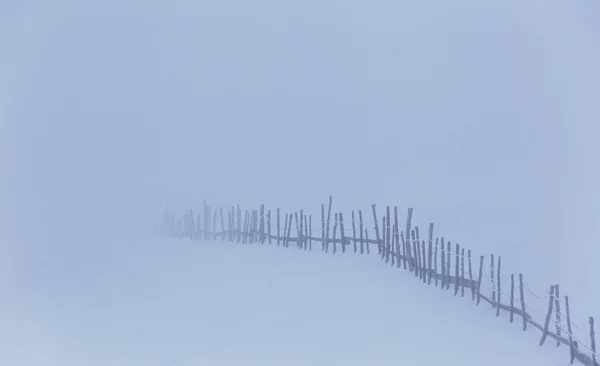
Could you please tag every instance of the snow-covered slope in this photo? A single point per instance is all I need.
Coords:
(188, 303)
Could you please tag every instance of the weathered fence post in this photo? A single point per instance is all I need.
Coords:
(430, 254)
(522, 301)
(328, 221)
(492, 279)
(499, 280)
(335, 225)
(443, 279)
(377, 236)
(512, 297)
(361, 229)
(435, 261)
(269, 226)
(480, 278)
(354, 231)
(548, 316)
(593, 341)
(342, 233)
(557, 308)
(407, 240)
(571, 347)
(462, 272)
(456, 265)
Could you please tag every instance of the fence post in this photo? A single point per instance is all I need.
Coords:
(354, 231)
(522, 301)
(443, 279)
(435, 261)
(499, 280)
(334, 232)
(457, 260)
(512, 297)
(548, 316)
(571, 347)
(479, 280)
(328, 221)
(361, 229)
(397, 237)
(406, 241)
(342, 233)
(557, 306)
(376, 226)
(593, 340)
(492, 279)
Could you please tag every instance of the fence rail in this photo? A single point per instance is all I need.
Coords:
(400, 248)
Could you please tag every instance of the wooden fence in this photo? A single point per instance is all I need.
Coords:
(434, 261)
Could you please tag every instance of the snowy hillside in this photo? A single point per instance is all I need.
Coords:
(483, 116)
(176, 302)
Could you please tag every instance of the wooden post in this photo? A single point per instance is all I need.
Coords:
(239, 224)
(406, 241)
(289, 232)
(245, 236)
(435, 261)
(278, 228)
(512, 297)
(456, 265)
(416, 252)
(448, 265)
(306, 232)
(548, 316)
(593, 341)
(571, 347)
(269, 226)
(214, 225)
(361, 229)
(342, 233)
(419, 253)
(492, 276)
(499, 280)
(430, 254)
(298, 229)
(393, 254)
(222, 222)
(354, 231)
(285, 229)
(301, 237)
(322, 227)
(522, 301)
(382, 246)
(388, 248)
(443, 246)
(472, 285)
(334, 232)
(367, 240)
(479, 280)
(557, 308)
(328, 221)
(462, 272)
(397, 237)
(377, 236)
(262, 224)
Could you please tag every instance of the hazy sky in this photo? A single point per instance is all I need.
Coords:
(481, 115)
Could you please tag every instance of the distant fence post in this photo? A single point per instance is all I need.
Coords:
(548, 316)
(522, 301)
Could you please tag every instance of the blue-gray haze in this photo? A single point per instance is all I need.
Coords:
(480, 115)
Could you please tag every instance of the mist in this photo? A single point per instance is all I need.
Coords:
(482, 116)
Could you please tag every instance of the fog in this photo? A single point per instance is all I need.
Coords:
(482, 116)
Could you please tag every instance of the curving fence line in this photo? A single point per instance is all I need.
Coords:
(434, 261)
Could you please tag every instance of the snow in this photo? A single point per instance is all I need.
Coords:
(181, 302)
(480, 115)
